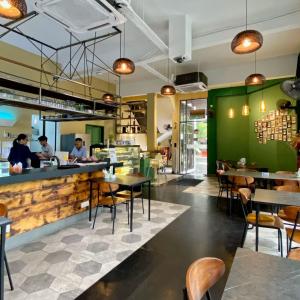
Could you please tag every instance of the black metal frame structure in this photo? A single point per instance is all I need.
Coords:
(84, 49)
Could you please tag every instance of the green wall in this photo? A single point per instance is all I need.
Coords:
(231, 139)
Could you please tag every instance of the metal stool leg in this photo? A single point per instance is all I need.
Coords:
(8, 272)
(96, 208)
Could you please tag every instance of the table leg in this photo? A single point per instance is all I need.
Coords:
(256, 228)
(149, 199)
(2, 249)
(90, 201)
(131, 209)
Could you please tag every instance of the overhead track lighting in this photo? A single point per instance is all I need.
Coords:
(13, 9)
(247, 41)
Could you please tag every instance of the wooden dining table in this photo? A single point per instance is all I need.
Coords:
(258, 276)
(274, 198)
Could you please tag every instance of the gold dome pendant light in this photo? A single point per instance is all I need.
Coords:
(247, 41)
(255, 78)
(108, 97)
(123, 65)
(13, 9)
(168, 89)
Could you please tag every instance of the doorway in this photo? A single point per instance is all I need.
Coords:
(193, 137)
(96, 133)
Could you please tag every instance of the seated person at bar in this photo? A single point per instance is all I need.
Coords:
(79, 151)
(20, 153)
(47, 150)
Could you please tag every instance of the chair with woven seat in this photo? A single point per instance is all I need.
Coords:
(4, 213)
(294, 254)
(201, 275)
(107, 198)
(265, 220)
(136, 194)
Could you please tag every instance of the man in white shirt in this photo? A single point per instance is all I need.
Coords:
(47, 150)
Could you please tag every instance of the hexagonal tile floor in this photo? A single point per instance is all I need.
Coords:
(63, 265)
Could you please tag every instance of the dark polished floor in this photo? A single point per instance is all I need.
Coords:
(157, 270)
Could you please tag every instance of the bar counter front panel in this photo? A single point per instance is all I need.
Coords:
(56, 195)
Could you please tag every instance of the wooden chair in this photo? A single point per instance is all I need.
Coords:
(4, 213)
(265, 220)
(107, 198)
(292, 214)
(294, 254)
(279, 182)
(136, 194)
(201, 275)
(238, 182)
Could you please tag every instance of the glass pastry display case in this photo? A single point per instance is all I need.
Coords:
(129, 155)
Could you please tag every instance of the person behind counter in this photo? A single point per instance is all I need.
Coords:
(79, 151)
(47, 150)
(20, 153)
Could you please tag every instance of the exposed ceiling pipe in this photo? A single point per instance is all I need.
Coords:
(127, 10)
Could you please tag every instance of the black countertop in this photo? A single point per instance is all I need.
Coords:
(52, 172)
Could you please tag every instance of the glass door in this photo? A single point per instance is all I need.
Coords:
(193, 137)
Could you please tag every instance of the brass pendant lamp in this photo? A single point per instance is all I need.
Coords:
(108, 97)
(13, 9)
(255, 78)
(247, 41)
(168, 89)
(123, 65)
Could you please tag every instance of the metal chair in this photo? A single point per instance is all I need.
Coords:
(201, 275)
(264, 220)
(107, 198)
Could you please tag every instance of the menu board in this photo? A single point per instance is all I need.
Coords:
(278, 125)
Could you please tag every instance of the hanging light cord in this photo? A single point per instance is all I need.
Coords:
(124, 41)
(255, 62)
(168, 70)
(246, 14)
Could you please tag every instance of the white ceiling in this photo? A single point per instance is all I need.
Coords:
(214, 23)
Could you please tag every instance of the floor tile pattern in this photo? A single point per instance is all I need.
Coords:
(63, 265)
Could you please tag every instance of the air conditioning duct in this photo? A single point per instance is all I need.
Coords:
(191, 82)
(180, 38)
(80, 16)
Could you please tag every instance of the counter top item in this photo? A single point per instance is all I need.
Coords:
(262, 276)
(52, 172)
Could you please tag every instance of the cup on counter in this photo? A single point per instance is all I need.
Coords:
(4, 168)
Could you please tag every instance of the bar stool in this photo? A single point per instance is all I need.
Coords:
(3, 213)
(201, 275)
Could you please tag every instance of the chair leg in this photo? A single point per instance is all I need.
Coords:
(143, 204)
(244, 235)
(280, 237)
(95, 216)
(128, 211)
(207, 295)
(114, 209)
(8, 272)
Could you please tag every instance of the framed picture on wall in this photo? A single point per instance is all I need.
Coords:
(288, 117)
(280, 137)
(284, 118)
(256, 129)
(284, 138)
(284, 131)
(269, 131)
(273, 130)
(276, 136)
(264, 140)
(260, 141)
(273, 123)
(272, 136)
(289, 124)
(255, 124)
(294, 119)
(294, 126)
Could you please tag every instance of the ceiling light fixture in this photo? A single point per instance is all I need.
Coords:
(123, 65)
(13, 9)
(108, 97)
(247, 41)
(168, 89)
(255, 78)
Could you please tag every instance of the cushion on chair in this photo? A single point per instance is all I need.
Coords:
(262, 218)
(127, 194)
(109, 202)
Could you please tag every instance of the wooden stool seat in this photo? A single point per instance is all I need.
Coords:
(127, 194)
(202, 275)
(107, 201)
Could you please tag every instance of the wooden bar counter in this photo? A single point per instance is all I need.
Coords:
(42, 196)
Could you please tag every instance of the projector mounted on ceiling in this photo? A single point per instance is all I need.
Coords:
(80, 16)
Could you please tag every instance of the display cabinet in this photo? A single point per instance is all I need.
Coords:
(129, 155)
